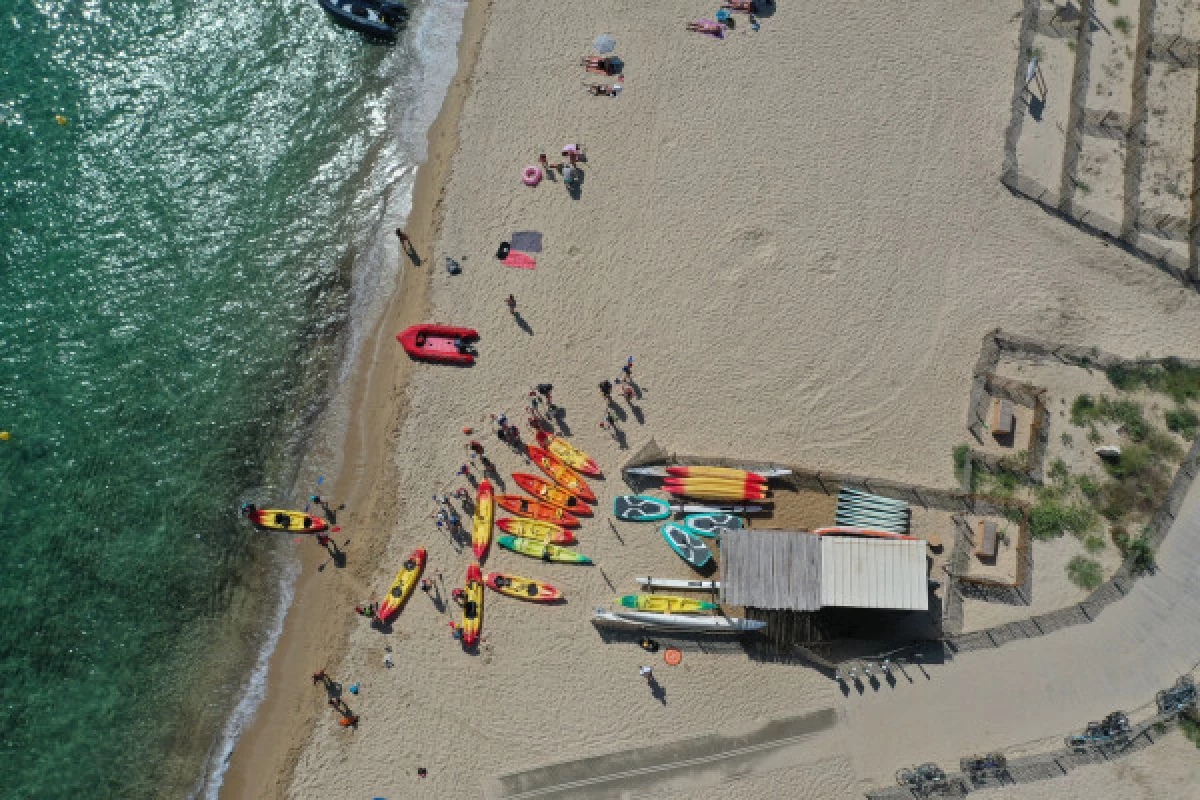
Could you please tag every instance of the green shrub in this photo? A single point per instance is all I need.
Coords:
(1066, 439)
(1134, 459)
(1172, 378)
(1088, 486)
(1087, 410)
(1094, 544)
(1190, 726)
(1083, 410)
(1142, 555)
(1059, 473)
(1183, 421)
(1085, 573)
(962, 454)
(1051, 518)
(1120, 538)
(1123, 25)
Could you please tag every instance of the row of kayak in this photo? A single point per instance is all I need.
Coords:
(539, 529)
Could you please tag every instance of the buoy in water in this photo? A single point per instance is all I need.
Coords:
(60, 119)
(5, 436)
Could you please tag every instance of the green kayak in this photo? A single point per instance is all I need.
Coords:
(546, 552)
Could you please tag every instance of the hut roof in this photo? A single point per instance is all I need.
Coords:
(800, 571)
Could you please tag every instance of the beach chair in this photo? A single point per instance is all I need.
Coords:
(986, 540)
(1003, 420)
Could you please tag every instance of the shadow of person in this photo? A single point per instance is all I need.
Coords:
(1036, 106)
(560, 417)
(637, 414)
(339, 559)
(617, 411)
(522, 323)
(845, 687)
(657, 691)
(411, 252)
(575, 185)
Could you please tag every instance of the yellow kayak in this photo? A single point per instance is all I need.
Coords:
(481, 525)
(536, 530)
(472, 607)
(402, 587)
(567, 453)
(277, 519)
(665, 604)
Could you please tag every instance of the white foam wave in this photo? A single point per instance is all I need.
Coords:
(423, 65)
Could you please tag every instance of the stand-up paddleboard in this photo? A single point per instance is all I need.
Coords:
(882, 511)
(536, 509)
(849, 530)
(472, 607)
(481, 525)
(879, 499)
(567, 453)
(665, 604)
(563, 475)
(688, 546)
(649, 621)
(552, 493)
(662, 472)
(546, 532)
(546, 552)
(644, 508)
(673, 583)
(402, 588)
(712, 524)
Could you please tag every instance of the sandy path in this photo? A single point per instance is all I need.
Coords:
(801, 237)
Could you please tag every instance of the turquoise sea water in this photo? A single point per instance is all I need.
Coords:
(176, 265)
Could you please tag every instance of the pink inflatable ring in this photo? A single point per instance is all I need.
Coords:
(532, 175)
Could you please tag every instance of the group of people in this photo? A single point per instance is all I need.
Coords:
(334, 697)
(605, 65)
(724, 21)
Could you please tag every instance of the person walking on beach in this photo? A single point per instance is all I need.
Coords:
(627, 370)
(511, 302)
(647, 673)
(606, 388)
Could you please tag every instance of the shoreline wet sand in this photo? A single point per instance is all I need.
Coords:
(800, 235)
(264, 758)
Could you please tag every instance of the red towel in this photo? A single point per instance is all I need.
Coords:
(520, 260)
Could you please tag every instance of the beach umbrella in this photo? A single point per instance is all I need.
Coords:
(604, 43)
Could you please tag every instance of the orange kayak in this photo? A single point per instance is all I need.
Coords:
(536, 509)
(546, 532)
(565, 452)
(481, 525)
(563, 475)
(551, 493)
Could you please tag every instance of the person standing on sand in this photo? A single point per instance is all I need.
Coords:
(606, 388)
(647, 673)
(511, 302)
(627, 370)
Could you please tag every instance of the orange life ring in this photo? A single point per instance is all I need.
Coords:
(673, 656)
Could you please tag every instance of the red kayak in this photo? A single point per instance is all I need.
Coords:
(550, 492)
(536, 509)
(443, 344)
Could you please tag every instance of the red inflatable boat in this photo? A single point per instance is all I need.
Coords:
(444, 344)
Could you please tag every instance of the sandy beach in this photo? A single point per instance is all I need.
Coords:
(800, 237)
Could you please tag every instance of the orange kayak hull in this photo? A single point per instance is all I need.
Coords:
(536, 509)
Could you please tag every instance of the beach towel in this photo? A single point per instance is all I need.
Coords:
(527, 241)
(520, 261)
